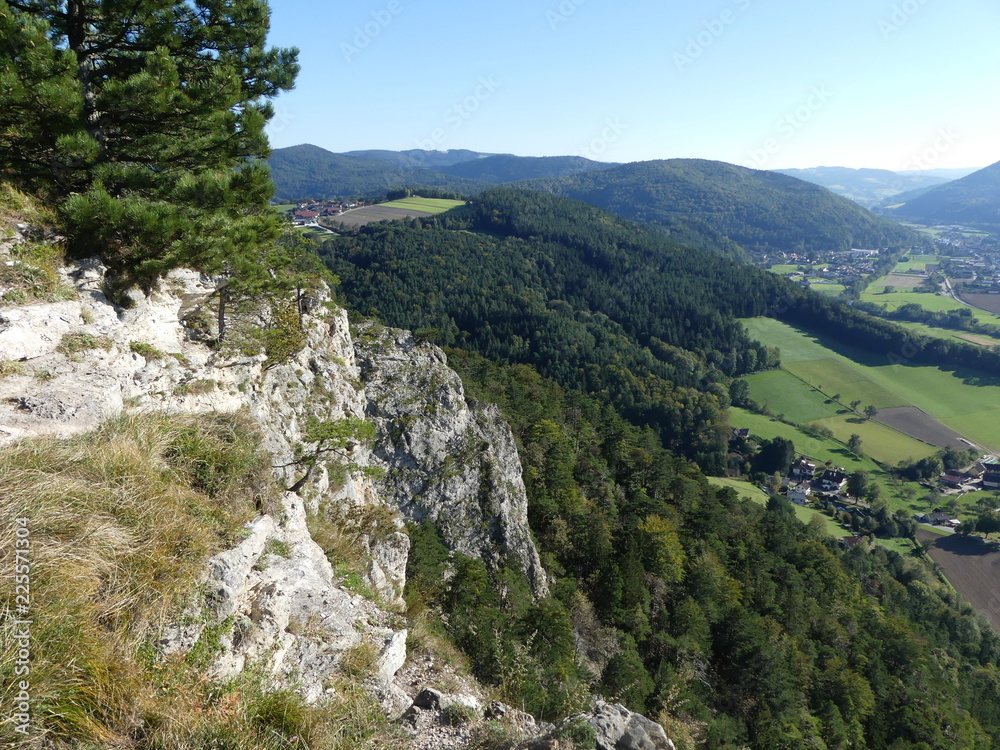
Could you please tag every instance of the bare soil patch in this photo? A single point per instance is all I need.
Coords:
(360, 217)
(917, 424)
(972, 567)
(972, 338)
(905, 281)
(987, 302)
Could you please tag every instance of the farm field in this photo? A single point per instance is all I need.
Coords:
(972, 567)
(883, 443)
(966, 401)
(895, 300)
(835, 376)
(988, 302)
(428, 205)
(406, 208)
(912, 421)
(946, 333)
(903, 281)
(783, 393)
(827, 288)
(915, 263)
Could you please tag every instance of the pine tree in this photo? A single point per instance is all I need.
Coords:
(145, 119)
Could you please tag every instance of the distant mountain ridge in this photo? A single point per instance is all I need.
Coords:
(759, 210)
(308, 171)
(973, 200)
(868, 187)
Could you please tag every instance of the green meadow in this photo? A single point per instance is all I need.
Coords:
(882, 443)
(783, 393)
(966, 401)
(895, 300)
(824, 288)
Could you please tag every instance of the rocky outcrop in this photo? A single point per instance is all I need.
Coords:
(275, 598)
(446, 460)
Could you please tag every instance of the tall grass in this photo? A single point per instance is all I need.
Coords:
(121, 522)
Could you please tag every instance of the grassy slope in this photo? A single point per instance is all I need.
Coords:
(121, 523)
(783, 393)
(954, 398)
(748, 491)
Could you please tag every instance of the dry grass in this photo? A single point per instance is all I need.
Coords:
(121, 522)
(17, 208)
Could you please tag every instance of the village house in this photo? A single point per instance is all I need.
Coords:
(991, 476)
(833, 480)
(803, 468)
(799, 492)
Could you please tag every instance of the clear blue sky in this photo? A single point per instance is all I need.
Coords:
(893, 84)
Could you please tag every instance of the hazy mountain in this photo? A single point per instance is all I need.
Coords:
(946, 174)
(309, 171)
(509, 168)
(759, 210)
(418, 157)
(869, 187)
(974, 199)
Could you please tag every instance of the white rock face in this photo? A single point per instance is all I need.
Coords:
(446, 460)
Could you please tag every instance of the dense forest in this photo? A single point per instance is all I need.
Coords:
(757, 209)
(598, 303)
(746, 627)
(602, 305)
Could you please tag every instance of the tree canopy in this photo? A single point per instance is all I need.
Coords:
(144, 121)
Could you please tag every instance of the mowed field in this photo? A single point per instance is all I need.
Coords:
(968, 402)
(429, 205)
(895, 300)
(904, 281)
(972, 567)
(405, 208)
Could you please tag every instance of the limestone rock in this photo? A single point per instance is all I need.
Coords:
(445, 459)
(617, 728)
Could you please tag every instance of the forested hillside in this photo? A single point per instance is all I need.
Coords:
(759, 210)
(974, 199)
(510, 168)
(600, 304)
(747, 628)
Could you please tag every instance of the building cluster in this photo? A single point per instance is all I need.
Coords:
(308, 212)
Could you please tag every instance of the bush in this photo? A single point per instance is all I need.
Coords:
(459, 715)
